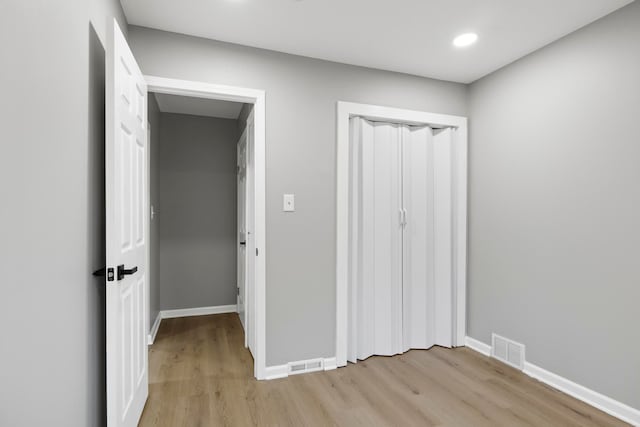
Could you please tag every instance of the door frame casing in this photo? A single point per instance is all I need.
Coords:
(257, 98)
(346, 110)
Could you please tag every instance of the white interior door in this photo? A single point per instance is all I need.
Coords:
(428, 238)
(418, 248)
(251, 254)
(126, 181)
(401, 270)
(443, 194)
(355, 241)
(378, 287)
(242, 231)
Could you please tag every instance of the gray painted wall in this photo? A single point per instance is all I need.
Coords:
(301, 109)
(555, 206)
(52, 363)
(154, 225)
(197, 173)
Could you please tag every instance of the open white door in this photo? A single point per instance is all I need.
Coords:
(250, 217)
(242, 232)
(126, 217)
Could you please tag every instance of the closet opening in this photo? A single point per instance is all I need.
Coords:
(401, 246)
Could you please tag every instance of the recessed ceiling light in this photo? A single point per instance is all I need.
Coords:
(466, 39)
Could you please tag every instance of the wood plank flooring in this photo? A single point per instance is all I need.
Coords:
(201, 375)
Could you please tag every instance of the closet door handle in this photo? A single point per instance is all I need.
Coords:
(403, 217)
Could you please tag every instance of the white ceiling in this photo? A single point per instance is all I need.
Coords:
(198, 106)
(409, 36)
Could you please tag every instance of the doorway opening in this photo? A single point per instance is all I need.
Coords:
(201, 206)
(207, 203)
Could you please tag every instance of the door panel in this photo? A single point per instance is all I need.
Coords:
(242, 232)
(443, 236)
(380, 288)
(355, 240)
(126, 188)
(418, 249)
(250, 248)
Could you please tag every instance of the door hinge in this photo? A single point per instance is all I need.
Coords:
(237, 290)
(256, 251)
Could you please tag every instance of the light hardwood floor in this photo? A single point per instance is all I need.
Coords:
(201, 375)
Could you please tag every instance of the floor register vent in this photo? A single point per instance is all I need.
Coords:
(304, 366)
(507, 351)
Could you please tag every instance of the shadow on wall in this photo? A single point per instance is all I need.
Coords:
(96, 340)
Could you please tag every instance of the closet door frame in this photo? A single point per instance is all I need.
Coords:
(346, 110)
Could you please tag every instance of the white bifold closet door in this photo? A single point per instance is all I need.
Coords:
(377, 296)
(400, 294)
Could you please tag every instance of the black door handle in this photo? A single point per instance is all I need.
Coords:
(243, 243)
(124, 272)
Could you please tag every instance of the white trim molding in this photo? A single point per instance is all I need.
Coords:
(346, 110)
(258, 99)
(154, 329)
(604, 403)
(198, 311)
(283, 371)
(330, 364)
(597, 400)
(276, 372)
(478, 346)
(187, 312)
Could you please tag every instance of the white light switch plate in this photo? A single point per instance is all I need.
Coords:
(289, 203)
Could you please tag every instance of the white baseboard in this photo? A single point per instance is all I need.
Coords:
(478, 346)
(186, 312)
(154, 329)
(199, 311)
(597, 400)
(275, 372)
(282, 371)
(604, 403)
(330, 364)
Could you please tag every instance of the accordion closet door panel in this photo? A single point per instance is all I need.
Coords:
(377, 290)
(400, 290)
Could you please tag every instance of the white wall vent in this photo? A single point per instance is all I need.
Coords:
(507, 351)
(304, 366)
